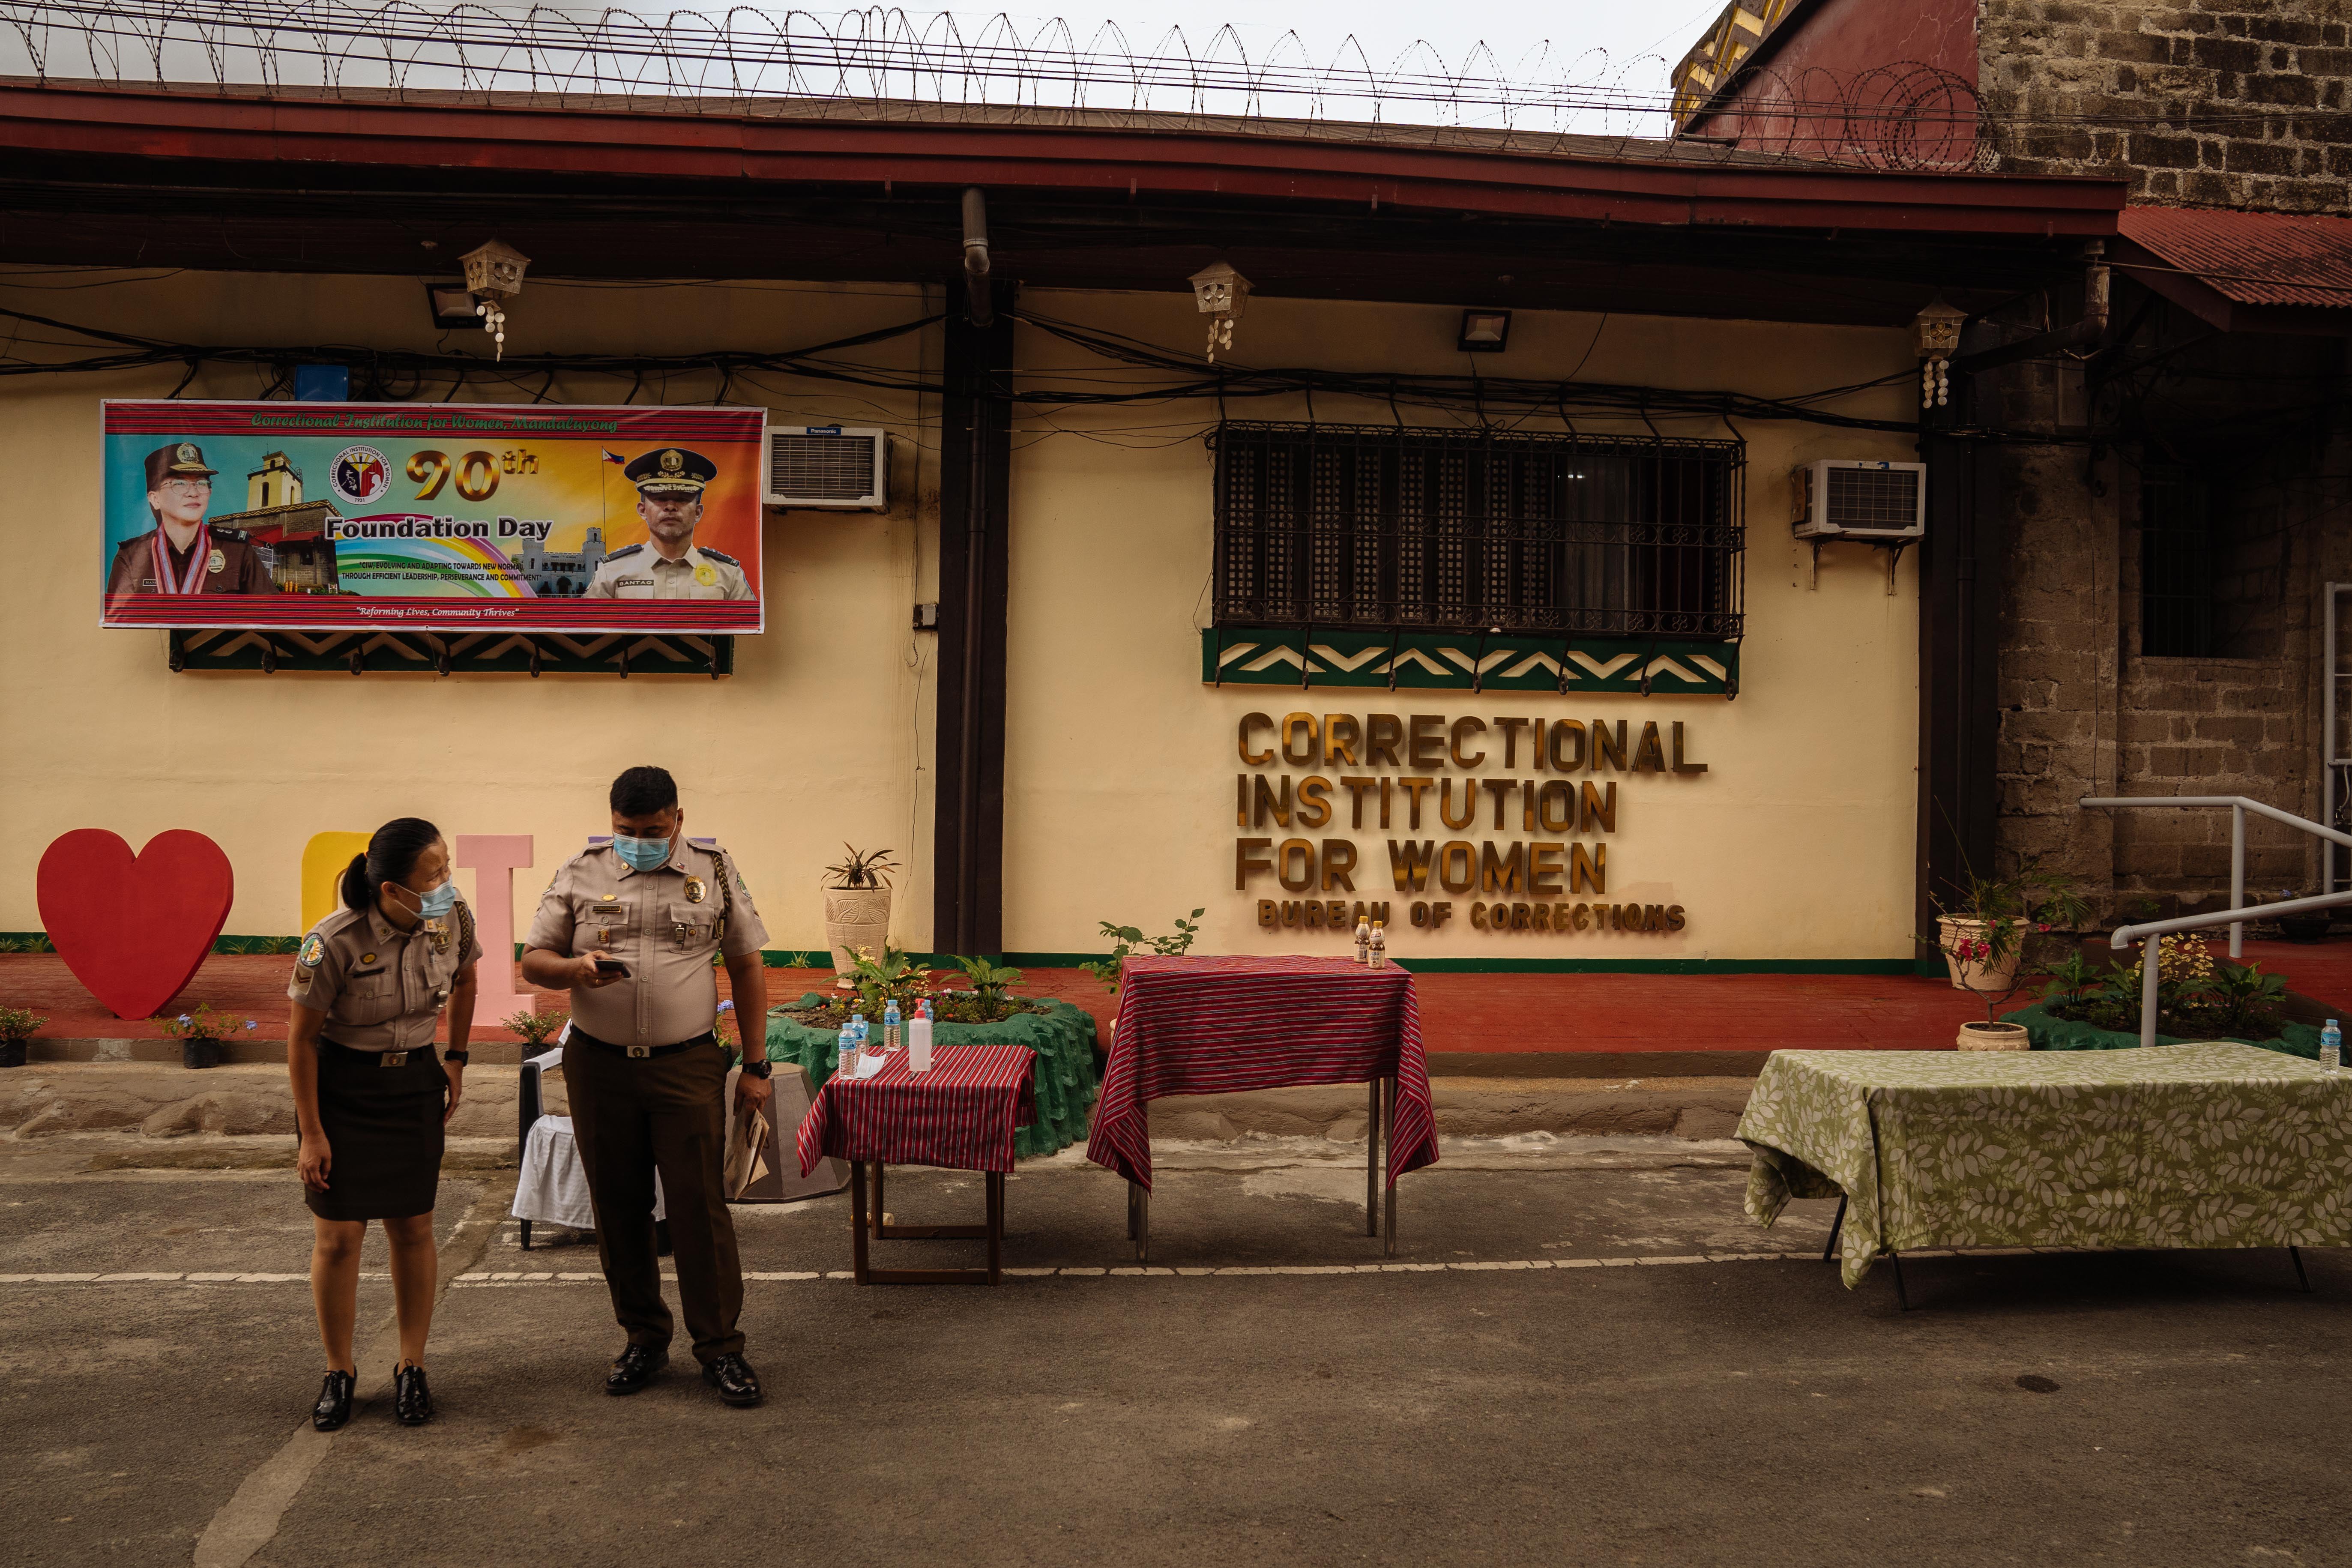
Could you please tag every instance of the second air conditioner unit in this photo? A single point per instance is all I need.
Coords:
(828, 467)
(1862, 500)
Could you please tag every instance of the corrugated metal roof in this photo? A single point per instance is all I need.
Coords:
(2252, 259)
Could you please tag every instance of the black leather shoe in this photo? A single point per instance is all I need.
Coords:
(732, 1376)
(634, 1368)
(334, 1407)
(412, 1403)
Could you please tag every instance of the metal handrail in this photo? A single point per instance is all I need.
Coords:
(2239, 805)
(2124, 936)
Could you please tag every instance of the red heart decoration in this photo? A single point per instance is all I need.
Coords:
(134, 929)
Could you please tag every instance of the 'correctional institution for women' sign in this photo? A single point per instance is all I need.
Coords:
(1505, 824)
(330, 516)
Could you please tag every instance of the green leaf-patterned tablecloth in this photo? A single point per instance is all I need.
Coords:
(1062, 1036)
(2208, 1145)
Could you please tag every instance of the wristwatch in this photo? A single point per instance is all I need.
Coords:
(460, 1058)
(759, 1069)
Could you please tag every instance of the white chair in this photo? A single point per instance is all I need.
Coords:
(554, 1187)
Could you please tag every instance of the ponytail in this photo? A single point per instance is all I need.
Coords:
(391, 855)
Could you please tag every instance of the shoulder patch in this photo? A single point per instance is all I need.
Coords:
(313, 951)
(724, 560)
(625, 550)
(234, 535)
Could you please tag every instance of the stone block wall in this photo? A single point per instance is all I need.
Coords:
(2228, 103)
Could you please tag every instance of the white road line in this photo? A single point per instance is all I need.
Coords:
(515, 1278)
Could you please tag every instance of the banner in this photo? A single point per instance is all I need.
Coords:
(425, 517)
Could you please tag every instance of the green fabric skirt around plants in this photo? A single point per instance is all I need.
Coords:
(2049, 1033)
(1062, 1036)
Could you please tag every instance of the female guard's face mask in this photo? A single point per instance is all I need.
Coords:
(642, 854)
(431, 905)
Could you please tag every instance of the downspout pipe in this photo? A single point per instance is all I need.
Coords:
(2089, 330)
(980, 303)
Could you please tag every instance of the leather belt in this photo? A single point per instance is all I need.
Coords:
(643, 1052)
(381, 1058)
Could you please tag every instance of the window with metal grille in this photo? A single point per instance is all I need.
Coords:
(1372, 526)
(821, 467)
(2176, 563)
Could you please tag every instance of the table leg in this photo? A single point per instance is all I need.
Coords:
(2293, 1252)
(995, 1225)
(1372, 1162)
(857, 1221)
(1902, 1297)
(1388, 1122)
(878, 1210)
(1131, 1190)
(1836, 1225)
(1143, 1225)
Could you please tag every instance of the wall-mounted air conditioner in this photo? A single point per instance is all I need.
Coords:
(828, 467)
(1858, 500)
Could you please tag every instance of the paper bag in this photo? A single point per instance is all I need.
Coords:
(765, 1167)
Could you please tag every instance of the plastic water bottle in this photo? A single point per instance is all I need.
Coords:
(2331, 1046)
(918, 1039)
(1363, 940)
(890, 1024)
(845, 1052)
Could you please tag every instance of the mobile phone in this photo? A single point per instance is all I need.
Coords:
(610, 966)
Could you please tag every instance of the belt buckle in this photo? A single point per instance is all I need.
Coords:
(638, 1052)
(393, 1059)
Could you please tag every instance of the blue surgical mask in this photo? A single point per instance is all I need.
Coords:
(642, 854)
(431, 905)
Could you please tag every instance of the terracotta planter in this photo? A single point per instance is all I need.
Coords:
(1995, 1037)
(855, 918)
(1970, 975)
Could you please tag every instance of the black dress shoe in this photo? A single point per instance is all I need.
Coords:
(635, 1367)
(412, 1403)
(732, 1376)
(334, 1407)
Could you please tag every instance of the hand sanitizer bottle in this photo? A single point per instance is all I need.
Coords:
(1380, 944)
(918, 1039)
(890, 1024)
(1363, 940)
(2331, 1046)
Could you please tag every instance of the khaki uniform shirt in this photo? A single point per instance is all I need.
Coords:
(382, 988)
(664, 925)
(639, 572)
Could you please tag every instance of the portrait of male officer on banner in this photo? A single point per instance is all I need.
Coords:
(182, 554)
(670, 483)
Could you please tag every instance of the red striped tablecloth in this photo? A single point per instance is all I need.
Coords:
(961, 1114)
(1217, 1026)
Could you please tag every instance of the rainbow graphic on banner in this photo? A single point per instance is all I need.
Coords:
(431, 569)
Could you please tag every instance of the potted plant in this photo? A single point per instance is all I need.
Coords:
(2311, 925)
(1126, 939)
(857, 909)
(16, 1026)
(201, 1033)
(534, 1026)
(1983, 934)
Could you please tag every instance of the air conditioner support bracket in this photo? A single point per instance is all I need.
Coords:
(1893, 547)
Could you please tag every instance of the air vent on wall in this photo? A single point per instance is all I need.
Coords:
(828, 467)
(1860, 499)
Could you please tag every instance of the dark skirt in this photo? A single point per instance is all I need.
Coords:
(384, 1136)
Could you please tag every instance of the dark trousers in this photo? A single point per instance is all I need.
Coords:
(631, 1116)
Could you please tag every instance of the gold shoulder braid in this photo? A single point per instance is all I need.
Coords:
(725, 893)
(465, 928)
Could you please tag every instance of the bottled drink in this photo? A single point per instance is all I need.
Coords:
(918, 1041)
(2331, 1046)
(1363, 940)
(1380, 944)
(845, 1051)
(890, 1024)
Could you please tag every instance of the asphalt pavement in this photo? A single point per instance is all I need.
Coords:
(1582, 1359)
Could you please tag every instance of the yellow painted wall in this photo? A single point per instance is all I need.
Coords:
(1119, 764)
(814, 741)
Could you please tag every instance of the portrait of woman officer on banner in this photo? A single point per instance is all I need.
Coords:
(182, 554)
(370, 984)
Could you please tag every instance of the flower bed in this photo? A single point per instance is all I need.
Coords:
(2052, 1033)
(1062, 1035)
